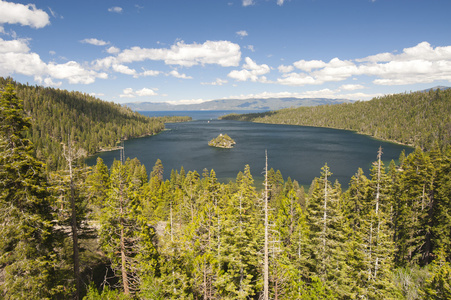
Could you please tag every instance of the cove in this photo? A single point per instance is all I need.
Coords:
(298, 152)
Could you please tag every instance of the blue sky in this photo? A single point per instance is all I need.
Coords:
(182, 51)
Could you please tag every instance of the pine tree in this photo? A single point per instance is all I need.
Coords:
(380, 245)
(125, 234)
(413, 220)
(241, 242)
(27, 263)
(327, 233)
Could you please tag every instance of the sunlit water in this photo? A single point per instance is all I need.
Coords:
(298, 152)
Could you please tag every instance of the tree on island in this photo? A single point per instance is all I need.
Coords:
(222, 141)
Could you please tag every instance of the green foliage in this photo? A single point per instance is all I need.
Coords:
(106, 294)
(420, 119)
(26, 241)
(192, 237)
(94, 125)
(438, 285)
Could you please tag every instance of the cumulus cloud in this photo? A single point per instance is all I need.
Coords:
(130, 93)
(222, 53)
(248, 2)
(26, 15)
(113, 50)
(123, 69)
(94, 42)
(285, 69)
(419, 64)
(309, 65)
(351, 87)
(115, 9)
(14, 46)
(218, 81)
(16, 58)
(50, 82)
(150, 73)
(176, 74)
(251, 71)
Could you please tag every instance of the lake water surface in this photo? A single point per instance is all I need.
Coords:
(298, 152)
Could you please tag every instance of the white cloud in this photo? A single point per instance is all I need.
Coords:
(309, 65)
(123, 69)
(280, 2)
(419, 64)
(218, 81)
(150, 73)
(50, 82)
(242, 33)
(248, 2)
(26, 15)
(115, 9)
(297, 79)
(130, 93)
(351, 87)
(250, 47)
(16, 58)
(94, 42)
(251, 71)
(16, 46)
(97, 94)
(176, 74)
(285, 69)
(73, 72)
(223, 53)
(145, 92)
(113, 50)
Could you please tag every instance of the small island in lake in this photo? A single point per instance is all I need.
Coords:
(222, 141)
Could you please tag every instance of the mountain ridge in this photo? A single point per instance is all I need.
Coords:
(236, 104)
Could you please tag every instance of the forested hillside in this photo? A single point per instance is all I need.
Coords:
(128, 234)
(59, 116)
(419, 119)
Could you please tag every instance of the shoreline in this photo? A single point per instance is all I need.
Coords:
(109, 149)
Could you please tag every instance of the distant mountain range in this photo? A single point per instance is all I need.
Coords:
(246, 104)
(441, 87)
(236, 104)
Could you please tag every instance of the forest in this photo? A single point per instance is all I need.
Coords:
(419, 119)
(59, 116)
(122, 232)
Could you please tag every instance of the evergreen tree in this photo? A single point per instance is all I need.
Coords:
(125, 234)
(27, 261)
(241, 242)
(327, 233)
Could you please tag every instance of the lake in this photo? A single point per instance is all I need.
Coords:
(297, 151)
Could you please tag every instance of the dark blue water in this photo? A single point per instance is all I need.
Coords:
(298, 152)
